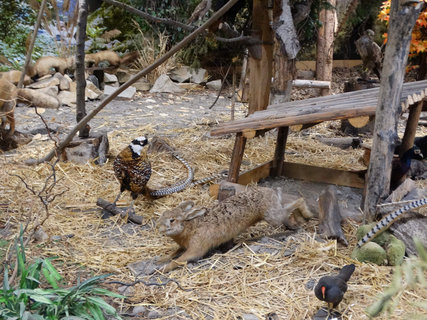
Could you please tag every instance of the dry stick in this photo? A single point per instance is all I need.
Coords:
(45, 199)
(31, 47)
(222, 86)
(162, 284)
(233, 97)
(131, 81)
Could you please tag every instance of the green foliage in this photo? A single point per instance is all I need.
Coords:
(16, 16)
(364, 17)
(28, 300)
(200, 47)
(16, 24)
(410, 275)
(106, 17)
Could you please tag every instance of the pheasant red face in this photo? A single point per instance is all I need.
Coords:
(323, 291)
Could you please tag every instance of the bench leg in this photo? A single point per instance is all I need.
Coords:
(279, 153)
(236, 158)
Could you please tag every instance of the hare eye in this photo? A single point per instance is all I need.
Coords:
(172, 220)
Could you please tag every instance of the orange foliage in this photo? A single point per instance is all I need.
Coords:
(419, 33)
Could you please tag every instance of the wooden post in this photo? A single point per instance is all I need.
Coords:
(279, 153)
(325, 44)
(80, 68)
(411, 127)
(284, 73)
(259, 79)
(260, 70)
(236, 158)
(402, 20)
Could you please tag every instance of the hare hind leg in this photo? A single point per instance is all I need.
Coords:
(187, 256)
(301, 206)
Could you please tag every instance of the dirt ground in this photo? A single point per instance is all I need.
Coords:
(259, 275)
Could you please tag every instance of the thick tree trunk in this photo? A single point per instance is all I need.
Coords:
(286, 47)
(402, 20)
(80, 67)
(284, 72)
(260, 70)
(325, 44)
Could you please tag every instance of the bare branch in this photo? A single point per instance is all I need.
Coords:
(162, 284)
(248, 40)
(135, 78)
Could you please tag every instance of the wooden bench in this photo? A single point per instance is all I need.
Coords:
(307, 112)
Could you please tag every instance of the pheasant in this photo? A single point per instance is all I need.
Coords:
(132, 169)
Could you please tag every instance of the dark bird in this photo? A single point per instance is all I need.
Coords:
(400, 166)
(132, 169)
(421, 142)
(332, 288)
(369, 52)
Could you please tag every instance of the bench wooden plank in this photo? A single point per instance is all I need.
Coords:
(315, 110)
(284, 121)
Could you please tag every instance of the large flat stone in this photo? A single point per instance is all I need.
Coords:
(128, 94)
(165, 84)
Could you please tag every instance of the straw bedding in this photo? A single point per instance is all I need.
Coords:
(276, 278)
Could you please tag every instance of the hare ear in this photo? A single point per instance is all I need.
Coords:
(186, 205)
(196, 212)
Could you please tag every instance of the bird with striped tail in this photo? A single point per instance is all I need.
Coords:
(132, 169)
(388, 220)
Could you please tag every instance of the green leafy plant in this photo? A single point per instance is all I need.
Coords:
(408, 276)
(29, 300)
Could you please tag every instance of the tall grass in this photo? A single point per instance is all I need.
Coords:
(150, 48)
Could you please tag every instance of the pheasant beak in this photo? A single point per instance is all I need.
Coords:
(323, 291)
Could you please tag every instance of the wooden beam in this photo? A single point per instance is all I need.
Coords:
(285, 121)
(251, 176)
(354, 179)
(326, 175)
(300, 83)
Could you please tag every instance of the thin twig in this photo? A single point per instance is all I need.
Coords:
(222, 86)
(162, 284)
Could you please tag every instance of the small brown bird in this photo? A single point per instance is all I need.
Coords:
(199, 12)
(332, 288)
(369, 52)
(132, 169)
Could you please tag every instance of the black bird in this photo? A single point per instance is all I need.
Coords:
(421, 142)
(400, 167)
(332, 288)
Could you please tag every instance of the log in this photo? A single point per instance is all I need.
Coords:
(300, 83)
(325, 43)
(111, 209)
(402, 20)
(359, 122)
(81, 150)
(330, 216)
(343, 143)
